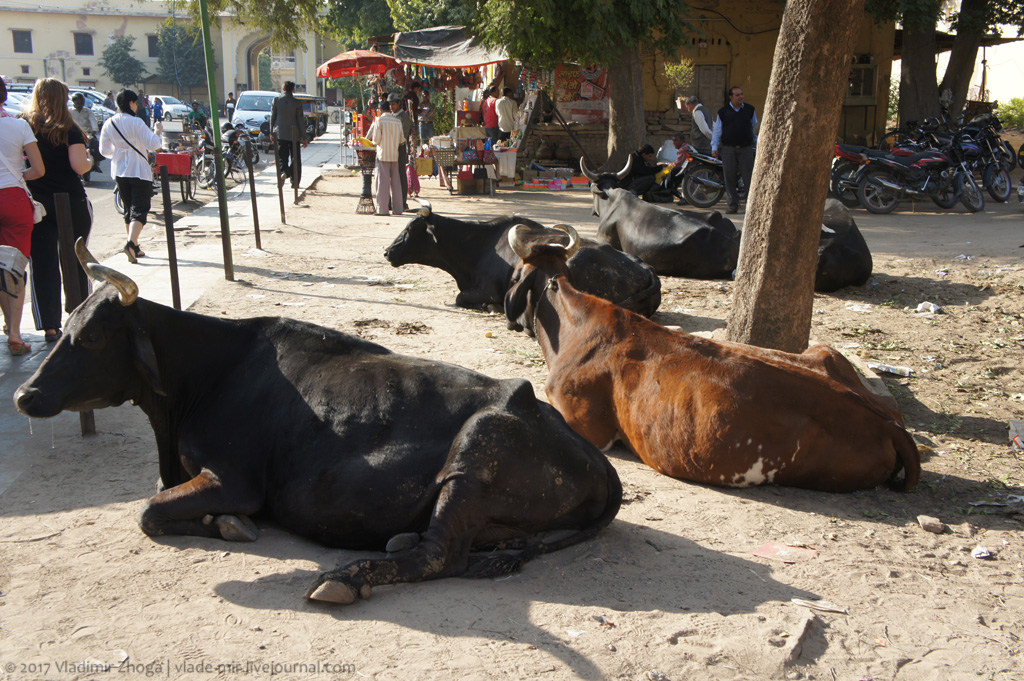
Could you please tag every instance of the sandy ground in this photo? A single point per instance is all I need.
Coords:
(670, 590)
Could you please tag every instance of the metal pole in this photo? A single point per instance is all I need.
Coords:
(74, 294)
(252, 191)
(218, 163)
(172, 254)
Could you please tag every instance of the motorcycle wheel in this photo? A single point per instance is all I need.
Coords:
(118, 203)
(997, 181)
(970, 193)
(701, 195)
(874, 198)
(947, 197)
(1011, 157)
(892, 139)
(840, 186)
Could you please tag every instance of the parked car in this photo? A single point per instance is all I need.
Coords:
(252, 110)
(173, 107)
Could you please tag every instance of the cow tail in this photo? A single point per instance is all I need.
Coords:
(499, 563)
(909, 460)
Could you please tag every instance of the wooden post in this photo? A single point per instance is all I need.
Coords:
(72, 272)
(172, 254)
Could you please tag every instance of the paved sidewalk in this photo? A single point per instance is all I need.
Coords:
(198, 267)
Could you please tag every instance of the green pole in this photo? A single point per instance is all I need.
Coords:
(218, 163)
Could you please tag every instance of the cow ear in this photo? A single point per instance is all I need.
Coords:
(145, 359)
(517, 299)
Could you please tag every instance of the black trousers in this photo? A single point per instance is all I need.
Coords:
(46, 269)
(285, 161)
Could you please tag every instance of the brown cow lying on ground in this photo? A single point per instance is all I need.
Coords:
(701, 410)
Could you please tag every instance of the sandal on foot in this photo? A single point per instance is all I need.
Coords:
(133, 252)
(17, 349)
(52, 337)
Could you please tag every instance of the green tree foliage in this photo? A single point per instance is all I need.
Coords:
(266, 80)
(413, 15)
(182, 59)
(120, 64)
(1012, 113)
(545, 33)
(353, 22)
(284, 20)
(679, 74)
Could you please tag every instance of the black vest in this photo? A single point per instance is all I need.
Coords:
(736, 128)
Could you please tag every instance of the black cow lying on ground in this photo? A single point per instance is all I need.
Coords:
(477, 254)
(843, 256)
(678, 243)
(333, 437)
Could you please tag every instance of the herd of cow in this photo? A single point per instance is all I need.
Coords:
(451, 472)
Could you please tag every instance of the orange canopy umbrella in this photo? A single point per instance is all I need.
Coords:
(356, 63)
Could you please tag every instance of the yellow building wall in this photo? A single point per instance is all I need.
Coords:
(741, 35)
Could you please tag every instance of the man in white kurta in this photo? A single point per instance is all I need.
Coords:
(386, 133)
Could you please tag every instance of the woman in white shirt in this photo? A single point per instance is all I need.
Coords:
(16, 212)
(125, 140)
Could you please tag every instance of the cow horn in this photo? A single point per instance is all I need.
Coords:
(574, 239)
(127, 289)
(426, 209)
(621, 175)
(514, 240)
(592, 176)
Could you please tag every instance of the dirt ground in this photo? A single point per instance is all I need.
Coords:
(670, 590)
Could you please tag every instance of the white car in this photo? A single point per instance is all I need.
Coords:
(173, 107)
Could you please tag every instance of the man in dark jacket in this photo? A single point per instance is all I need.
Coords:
(733, 140)
(288, 125)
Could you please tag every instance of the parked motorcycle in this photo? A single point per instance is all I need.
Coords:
(849, 164)
(942, 176)
(703, 182)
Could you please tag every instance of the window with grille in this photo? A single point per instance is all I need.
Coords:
(154, 46)
(83, 43)
(22, 41)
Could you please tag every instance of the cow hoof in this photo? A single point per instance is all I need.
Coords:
(236, 528)
(340, 593)
(402, 542)
(333, 592)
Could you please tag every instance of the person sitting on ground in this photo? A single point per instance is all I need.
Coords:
(643, 171)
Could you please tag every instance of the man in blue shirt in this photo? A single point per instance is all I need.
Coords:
(732, 140)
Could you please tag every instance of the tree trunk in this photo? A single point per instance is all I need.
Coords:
(627, 130)
(957, 78)
(778, 253)
(919, 92)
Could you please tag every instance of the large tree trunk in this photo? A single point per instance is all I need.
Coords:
(919, 92)
(626, 128)
(957, 78)
(778, 253)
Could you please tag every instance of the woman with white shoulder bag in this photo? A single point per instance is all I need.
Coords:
(125, 140)
(17, 217)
